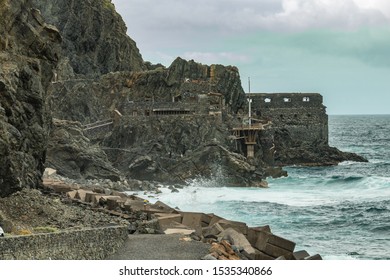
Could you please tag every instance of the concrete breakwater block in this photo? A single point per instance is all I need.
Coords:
(212, 231)
(59, 186)
(81, 194)
(238, 226)
(264, 238)
(164, 207)
(298, 255)
(230, 239)
(238, 239)
(115, 202)
(168, 220)
(194, 219)
(254, 232)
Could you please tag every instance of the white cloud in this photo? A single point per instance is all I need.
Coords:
(242, 15)
(335, 14)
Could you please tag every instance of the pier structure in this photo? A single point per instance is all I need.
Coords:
(248, 133)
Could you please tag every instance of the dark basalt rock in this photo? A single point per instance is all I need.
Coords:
(94, 36)
(29, 51)
(73, 155)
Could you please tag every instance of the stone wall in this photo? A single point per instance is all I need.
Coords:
(85, 244)
(302, 114)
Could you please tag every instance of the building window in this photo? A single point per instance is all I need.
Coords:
(306, 99)
(267, 100)
(287, 99)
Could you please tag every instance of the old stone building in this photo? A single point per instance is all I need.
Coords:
(302, 114)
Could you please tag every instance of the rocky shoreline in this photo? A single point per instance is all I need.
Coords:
(66, 204)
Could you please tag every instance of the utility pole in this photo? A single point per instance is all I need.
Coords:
(249, 99)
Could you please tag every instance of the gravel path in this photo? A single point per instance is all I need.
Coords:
(160, 247)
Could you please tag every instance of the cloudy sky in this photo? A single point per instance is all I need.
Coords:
(339, 48)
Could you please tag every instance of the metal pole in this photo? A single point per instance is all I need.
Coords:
(250, 111)
(249, 101)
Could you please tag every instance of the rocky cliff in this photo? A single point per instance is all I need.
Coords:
(94, 37)
(74, 156)
(29, 51)
(91, 99)
(74, 59)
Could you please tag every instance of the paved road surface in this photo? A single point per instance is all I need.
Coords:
(160, 247)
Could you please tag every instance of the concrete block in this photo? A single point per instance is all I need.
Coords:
(164, 207)
(60, 187)
(81, 194)
(254, 232)
(121, 194)
(132, 205)
(238, 239)
(178, 231)
(258, 255)
(298, 255)
(194, 219)
(238, 226)
(274, 251)
(214, 219)
(166, 221)
(104, 198)
(314, 257)
(269, 238)
(72, 194)
(90, 196)
(213, 230)
(114, 203)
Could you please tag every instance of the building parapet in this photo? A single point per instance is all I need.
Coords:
(286, 100)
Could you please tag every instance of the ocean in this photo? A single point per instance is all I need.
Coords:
(341, 212)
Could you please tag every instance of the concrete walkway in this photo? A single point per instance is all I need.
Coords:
(160, 247)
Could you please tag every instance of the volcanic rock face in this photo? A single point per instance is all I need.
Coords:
(94, 36)
(89, 100)
(74, 156)
(29, 51)
(177, 149)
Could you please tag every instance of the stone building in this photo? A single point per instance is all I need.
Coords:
(302, 114)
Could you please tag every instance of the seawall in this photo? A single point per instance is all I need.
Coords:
(84, 244)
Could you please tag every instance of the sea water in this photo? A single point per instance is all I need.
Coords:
(340, 212)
